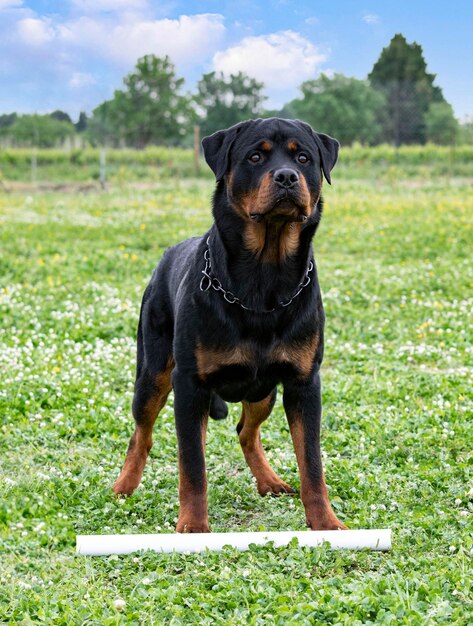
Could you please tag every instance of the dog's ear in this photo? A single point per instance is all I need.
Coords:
(217, 148)
(328, 150)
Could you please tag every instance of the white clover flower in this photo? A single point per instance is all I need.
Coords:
(119, 604)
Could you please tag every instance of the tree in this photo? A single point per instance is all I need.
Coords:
(223, 101)
(81, 124)
(107, 124)
(347, 108)
(150, 110)
(7, 119)
(401, 75)
(440, 124)
(38, 130)
(466, 131)
(61, 116)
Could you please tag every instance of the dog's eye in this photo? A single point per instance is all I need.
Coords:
(255, 157)
(302, 158)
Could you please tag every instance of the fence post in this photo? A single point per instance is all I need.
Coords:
(34, 166)
(197, 149)
(103, 166)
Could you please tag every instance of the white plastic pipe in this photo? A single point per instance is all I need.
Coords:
(100, 545)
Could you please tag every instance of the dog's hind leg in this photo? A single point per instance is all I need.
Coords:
(248, 429)
(153, 384)
(151, 392)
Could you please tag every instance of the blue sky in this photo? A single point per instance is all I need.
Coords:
(72, 54)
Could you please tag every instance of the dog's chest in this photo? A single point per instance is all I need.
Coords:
(241, 369)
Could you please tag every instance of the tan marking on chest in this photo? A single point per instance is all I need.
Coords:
(210, 360)
(273, 242)
(301, 355)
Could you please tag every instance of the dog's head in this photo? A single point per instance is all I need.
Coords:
(272, 168)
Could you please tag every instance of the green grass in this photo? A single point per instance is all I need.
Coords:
(394, 260)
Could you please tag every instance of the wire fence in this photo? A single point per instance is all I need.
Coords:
(76, 160)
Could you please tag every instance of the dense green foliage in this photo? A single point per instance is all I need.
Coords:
(465, 131)
(399, 104)
(44, 131)
(441, 127)
(223, 101)
(401, 75)
(149, 110)
(346, 108)
(6, 119)
(82, 122)
(394, 260)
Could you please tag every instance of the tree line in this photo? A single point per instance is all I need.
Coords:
(398, 103)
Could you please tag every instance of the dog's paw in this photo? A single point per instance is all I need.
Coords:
(125, 485)
(192, 526)
(329, 522)
(274, 488)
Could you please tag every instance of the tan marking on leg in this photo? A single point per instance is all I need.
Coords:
(141, 440)
(314, 496)
(253, 414)
(193, 510)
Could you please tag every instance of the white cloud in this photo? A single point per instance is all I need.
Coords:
(76, 61)
(371, 18)
(35, 32)
(280, 60)
(7, 4)
(79, 80)
(187, 40)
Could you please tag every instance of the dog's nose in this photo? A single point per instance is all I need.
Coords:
(286, 177)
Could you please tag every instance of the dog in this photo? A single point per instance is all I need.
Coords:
(231, 314)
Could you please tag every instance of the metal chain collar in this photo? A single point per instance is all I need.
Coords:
(210, 280)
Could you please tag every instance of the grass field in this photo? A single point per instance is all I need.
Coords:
(394, 259)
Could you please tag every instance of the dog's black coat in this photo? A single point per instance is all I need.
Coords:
(260, 251)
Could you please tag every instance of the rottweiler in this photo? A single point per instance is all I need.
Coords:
(231, 314)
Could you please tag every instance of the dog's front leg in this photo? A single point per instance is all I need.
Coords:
(303, 406)
(191, 407)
